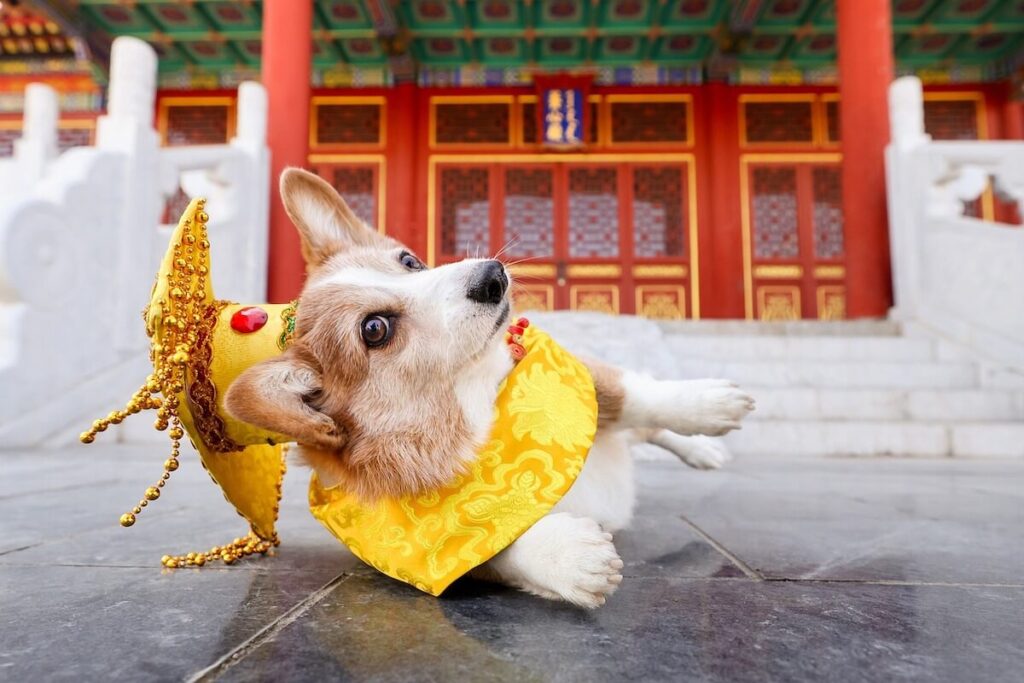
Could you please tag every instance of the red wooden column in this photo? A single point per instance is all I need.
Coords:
(402, 163)
(1013, 116)
(865, 72)
(287, 46)
(721, 238)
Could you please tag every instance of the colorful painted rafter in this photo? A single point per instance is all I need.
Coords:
(502, 39)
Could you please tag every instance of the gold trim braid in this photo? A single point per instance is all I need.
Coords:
(200, 390)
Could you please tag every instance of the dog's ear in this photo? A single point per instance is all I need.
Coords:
(280, 395)
(325, 222)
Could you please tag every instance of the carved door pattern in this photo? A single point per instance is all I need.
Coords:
(607, 237)
(795, 237)
(360, 185)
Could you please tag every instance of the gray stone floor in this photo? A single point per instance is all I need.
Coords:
(785, 570)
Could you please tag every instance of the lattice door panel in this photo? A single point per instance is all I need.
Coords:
(593, 212)
(828, 213)
(360, 187)
(529, 213)
(659, 211)
(660, 226)
(794, 229)
(604, 237)
(464, 211)
(774, 212)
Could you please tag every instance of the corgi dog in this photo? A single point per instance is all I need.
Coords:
(389, 387)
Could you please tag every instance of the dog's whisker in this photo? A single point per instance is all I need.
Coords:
(507, 245)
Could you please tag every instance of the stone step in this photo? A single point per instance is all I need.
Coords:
(792, 328)
(870, 438)
(802, 348)
(989, 441)
(996, 377)
(835, 374)
(775, 403)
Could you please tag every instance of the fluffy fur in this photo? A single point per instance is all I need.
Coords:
(409, 415)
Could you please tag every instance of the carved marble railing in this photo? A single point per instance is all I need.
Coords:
(80, 240)
(960, 276)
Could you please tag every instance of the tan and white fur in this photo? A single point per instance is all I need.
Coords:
(408, 414)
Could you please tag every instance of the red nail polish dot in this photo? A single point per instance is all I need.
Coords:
(248, 319)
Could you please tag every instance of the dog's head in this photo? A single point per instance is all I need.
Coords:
(389, 385)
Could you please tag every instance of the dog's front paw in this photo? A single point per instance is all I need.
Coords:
(585, 570)
(721, 405)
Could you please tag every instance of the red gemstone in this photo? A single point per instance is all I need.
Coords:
(248, 319)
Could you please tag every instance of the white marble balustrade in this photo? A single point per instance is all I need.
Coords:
(81, 238)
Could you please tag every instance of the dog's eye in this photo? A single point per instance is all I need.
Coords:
(410, 261)
(377, 330)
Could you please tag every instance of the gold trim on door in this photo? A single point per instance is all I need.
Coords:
(513, 118)
(665, 309)
(684, 98)
(208, 101)
(382, 126)
(779, 302)
(579, 301)
(666, 270)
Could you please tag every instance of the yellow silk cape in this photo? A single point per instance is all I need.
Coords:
(544, 426)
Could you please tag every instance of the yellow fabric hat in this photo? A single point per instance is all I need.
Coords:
(545, 421)
(196, 355)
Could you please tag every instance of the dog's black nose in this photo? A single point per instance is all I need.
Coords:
(488, 283)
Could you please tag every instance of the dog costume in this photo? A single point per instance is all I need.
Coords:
(545, 421)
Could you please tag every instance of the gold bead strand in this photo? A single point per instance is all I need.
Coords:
(182, 317)
(229, 553)
(170, 465)
(137, 403)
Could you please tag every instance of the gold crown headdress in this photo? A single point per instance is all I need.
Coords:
(185, 323)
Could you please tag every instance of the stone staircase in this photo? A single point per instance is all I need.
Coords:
(828, 389)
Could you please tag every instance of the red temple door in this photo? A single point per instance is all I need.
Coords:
(608, 237)
(796, 240)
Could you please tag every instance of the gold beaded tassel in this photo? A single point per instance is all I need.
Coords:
(250, 544)
(177, 319)
(229, 553)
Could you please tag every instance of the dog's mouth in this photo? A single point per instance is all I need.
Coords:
(506, 308)
(499, 325)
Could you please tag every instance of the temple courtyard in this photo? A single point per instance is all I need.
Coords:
(772, 568)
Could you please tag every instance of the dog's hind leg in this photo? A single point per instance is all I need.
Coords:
(699, 452)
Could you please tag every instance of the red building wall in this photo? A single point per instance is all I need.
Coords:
(384, 149)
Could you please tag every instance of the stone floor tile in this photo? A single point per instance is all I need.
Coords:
(192, 515)
(120, 624)
(666, 546)
(894, 520)
(652, 630)
(87, 600)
